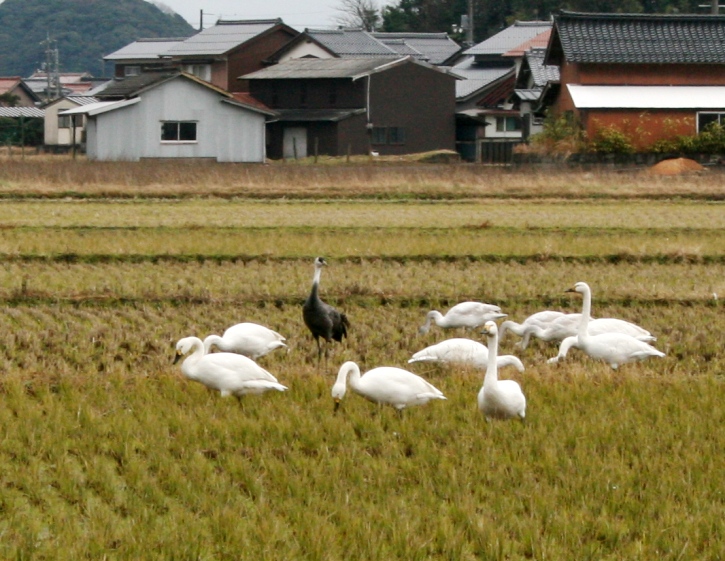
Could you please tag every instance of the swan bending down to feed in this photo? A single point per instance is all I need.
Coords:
(463, 351)
(523, 329)
(386, 385)
(465, 314)
(613, 348)
(229, 373)
(320, 318)
(248, 339)
(567, 325)
(499, 399)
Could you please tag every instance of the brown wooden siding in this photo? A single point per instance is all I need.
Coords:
(419, 99)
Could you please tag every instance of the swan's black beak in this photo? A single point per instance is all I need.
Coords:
(570, 290)
(337, 406)
(177, 358)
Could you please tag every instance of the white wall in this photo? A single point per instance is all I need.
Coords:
(306, 50)
(52, 135)
(225, 132)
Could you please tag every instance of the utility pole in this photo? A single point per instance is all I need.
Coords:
(469, 31)
(52, 72)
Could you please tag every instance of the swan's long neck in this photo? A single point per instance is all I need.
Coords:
(437, 317)
(340, 386)
(197, 348)
(213, 340)
(428, 318)
(491, 377)
(586, 312)
(517, 328)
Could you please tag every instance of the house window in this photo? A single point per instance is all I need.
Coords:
(64, 121)
(388, 135)
(303, 94)
(178, 131)
(705, 119)
(508, 124)
(131, 70)
(380, 135)
(396, 135)
(202, 71)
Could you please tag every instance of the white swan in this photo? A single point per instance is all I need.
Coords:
(386, 385)
(463, 351)
(567, 325)
(248, 339)
(229, 373)
(499, 399)
(613, 348)
(540, 319)
(465, 314)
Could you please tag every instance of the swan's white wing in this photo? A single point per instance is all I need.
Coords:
(451, 350)
(387, 384)
(233, 365)
(615, 325)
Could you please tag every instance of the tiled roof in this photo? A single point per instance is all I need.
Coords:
(222, 37)
(476, 77)
(348, 43)
(639, 38)
(14, 112)
(320, 68)
(435, 47)
(7, 83)
(540, 41)
(541, 73)
(135, 85)
(509, 38)
(144, 49)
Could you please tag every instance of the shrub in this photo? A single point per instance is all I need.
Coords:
(561, 134)
(611, 140)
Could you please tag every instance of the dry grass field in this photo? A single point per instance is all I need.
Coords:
(107, 452)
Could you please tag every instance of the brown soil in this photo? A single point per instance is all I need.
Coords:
(676, 166)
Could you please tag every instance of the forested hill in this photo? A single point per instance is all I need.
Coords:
(84, 31)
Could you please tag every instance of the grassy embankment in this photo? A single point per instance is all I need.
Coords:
(108, 453)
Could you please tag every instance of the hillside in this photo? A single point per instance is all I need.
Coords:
(85, 31)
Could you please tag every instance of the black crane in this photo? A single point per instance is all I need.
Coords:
(322, 319)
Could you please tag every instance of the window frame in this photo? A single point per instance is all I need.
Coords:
(178, 139)
(719, 119)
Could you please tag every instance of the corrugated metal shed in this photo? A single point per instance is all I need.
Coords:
(647, 97)
(145, 49)
(15, 112)
(222, 37)
(509, 38)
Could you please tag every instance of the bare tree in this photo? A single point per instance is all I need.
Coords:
(359, 13)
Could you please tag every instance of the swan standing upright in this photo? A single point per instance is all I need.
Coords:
(463, 351)
(229, 373)
(612, 348)
(499, 399)
(465, 314)
(386, 385)
(320, 318)
(248, 339)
